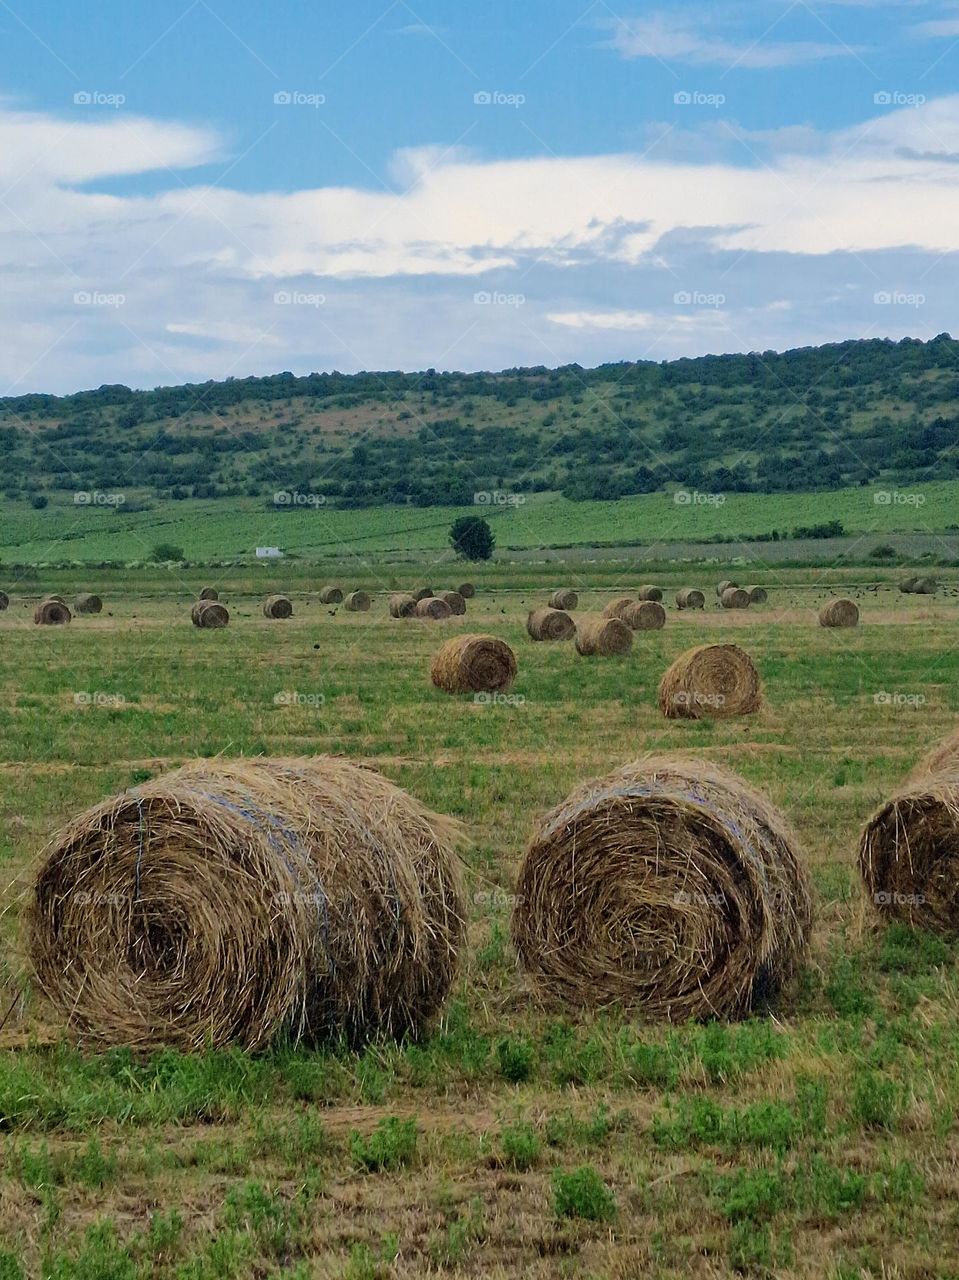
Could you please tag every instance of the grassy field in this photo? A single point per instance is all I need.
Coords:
(516, 1140)
(232, 528)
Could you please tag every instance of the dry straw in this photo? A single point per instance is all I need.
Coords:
(647, 615)
(649, 592)
(51, 613)
(466, 590)
(431, 607)
(209, 593)
(278, 607)
(839, 613)
(710, 680)
(234, 901)
(550, 624)
(724, 586)
(690, 598)
(402, 606)
(602, 637)
(86, 602)
(423, 593)
(565, 598)
(209, 614)
(908, 585)
(734, 598)
(358, 602)
(757, 595)
(669, 887)
(456, 602)
(53, 600)
(473, 664)
(617, 608)
(331, 595)
(926, 587)
(943, 758)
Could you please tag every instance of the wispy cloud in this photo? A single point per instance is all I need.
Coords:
(670, 38)
(623, 320)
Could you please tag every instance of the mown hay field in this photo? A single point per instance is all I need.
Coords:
(516, 1140)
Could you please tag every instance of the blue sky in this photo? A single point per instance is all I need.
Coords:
(193, 190)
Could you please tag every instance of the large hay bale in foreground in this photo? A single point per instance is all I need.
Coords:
(402, 606)
(423, 593)
(669, 887)
(724, 586)
(690, 598)
(87, 602)
(757, 595)
(550, 624)
(210, 614)
(734, 598)
(358, 602)
(51, 613)
(4, 601)
(466, 590)
(943, 758)
(566, 598)
(602, 637)
(645, 615)
(456, 602)
(432, 607)
(209, 593)
(236, 901)
(330, 595)
(278, 607)
(710, 680)
(839, 613)
(473, 664)
(649, 592)
(616, 608)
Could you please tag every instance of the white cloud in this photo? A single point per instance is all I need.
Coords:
(937, 28)
(670, 38)
(623, 320)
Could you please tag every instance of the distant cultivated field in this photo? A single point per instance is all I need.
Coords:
(822, 1142)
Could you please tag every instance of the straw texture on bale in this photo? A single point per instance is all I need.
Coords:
(473, 664)
(402, 606)
(565, 598)
(550, 624)
(209, 593)
(331, 595)
(51, 613)
(690, 598)
(456, 602)
(646, 615)
(839, 613)
(943, 758)
(734, 598)
(710, 680)
(466, 590)
(669, 887)
(616, 608)
(209, 614)
(432, 607)
(53, 599)
(87, 602)
(358, 602)
(4, 601)
(234, 901)
(757, 595)
(724, 586)
(602, 637)
(278, 607)
(649, 592)
(423, 593)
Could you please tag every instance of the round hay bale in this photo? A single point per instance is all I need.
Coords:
(734, 598)
(616, 608)
(358, 602)
(669, 887)
(209, 614)
(53, 600)
(402, 606)
(839, 613)
(423, 593)
(908, 585)
(431, 607)
(234, 902)
(51, 613)
(943, 758)
(710, 680)
(647, 615)
(690, 598)
(209, 593)
(331, 595)
(550, 624)
(466, 590)
(473, 664)
(456, 602)
(926, 587)
(4, 601)
(649, 592)
(724, 586)
(909, 851)
(602, 637)
(757, 595)
(278, 607)
(566, 599)
(86, 602)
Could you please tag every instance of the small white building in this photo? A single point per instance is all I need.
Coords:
(269, 553)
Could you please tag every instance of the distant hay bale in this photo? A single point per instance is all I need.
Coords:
(423, 593)
(566, 599)
(649, 592)
(616, 608)
(238, 902)
(734, 598)
(690, 598)
(86, 602)
(473, 664)
(926, 586)
(358, 602)
(710, 680)
(602, 637)
(724, 586)
(432, 607)
(839, 613)
(668, 887)
(550, 624)
(278, 607)
(757, 595)
(466, 590)
(210, 615)
(908, 585)
(402, 606)
(209, 593)
(646, 615)
(330, 595)
(51, 613)
(4, 601)
(456, 602)
(53, 600)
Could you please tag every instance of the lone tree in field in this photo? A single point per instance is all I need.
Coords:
(472, 538)
(166, 551)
